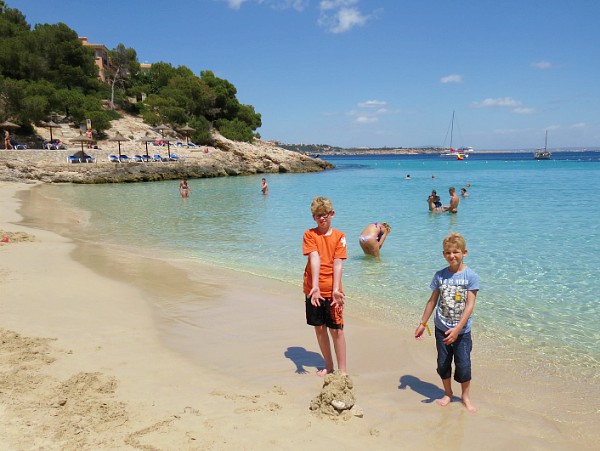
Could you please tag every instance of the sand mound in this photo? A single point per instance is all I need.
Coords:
(15, 237)
(336, 398)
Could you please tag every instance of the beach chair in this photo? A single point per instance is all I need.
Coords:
(147, 158)
(157, 157)
(138, 159)
(174, 157)
(191, 144)
(125, 159)
(113, 159)
(72, 159)
(88, 159)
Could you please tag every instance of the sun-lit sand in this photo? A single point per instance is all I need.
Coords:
(105, 349)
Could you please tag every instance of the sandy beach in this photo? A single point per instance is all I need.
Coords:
(106, 349)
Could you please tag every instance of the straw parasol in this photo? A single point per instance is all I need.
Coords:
(164, 128)
(186, 132)
(82, 139)
(51, 125)
(9, 125)
(118, 138)
(146, 140)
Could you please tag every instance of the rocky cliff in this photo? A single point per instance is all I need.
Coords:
(226, 158)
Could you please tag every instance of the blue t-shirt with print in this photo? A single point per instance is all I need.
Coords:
(453, 288)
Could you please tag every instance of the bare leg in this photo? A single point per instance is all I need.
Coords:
(447, 398)
(466, 398)
(325, 347)
(339, 344)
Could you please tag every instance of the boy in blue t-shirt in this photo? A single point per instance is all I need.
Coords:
(453, 298)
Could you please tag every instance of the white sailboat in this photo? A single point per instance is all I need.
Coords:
(459, 154)
(540, 154)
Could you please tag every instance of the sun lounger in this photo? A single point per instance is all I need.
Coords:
(147, 158)
(174, 157)
(157, 157)
(125, 159)
(191, 144)
(72, 159)
(88, 159)
(113, 159)
(138, 159)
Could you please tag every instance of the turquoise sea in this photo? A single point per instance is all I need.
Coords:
(532, 232)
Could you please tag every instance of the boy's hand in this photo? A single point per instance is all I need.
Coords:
(419, 331)
(337, 298)
(315, 296)
(451, 336)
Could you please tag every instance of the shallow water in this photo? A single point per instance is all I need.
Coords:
(532, 235)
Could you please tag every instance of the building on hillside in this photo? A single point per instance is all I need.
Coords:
(101, 53)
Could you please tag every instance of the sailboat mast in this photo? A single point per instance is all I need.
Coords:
(546, 142)
(451, 130)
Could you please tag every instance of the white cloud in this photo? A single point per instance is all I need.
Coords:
(298, 5)
(454, 78)
(498, 102)
(333, 4)
(366, 119)
(579, 125)
(339, 16)
(541, 64)
(524, 110)
(372, 104)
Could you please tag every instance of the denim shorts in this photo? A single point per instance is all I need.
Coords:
(460, 350)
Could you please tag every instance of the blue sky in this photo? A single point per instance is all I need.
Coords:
(375, 72)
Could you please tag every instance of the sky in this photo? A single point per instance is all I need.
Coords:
(375, 73)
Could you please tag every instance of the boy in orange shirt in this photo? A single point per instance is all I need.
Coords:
(326, 250)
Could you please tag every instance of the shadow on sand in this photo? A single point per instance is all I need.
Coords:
(430, 391)
(303, 358)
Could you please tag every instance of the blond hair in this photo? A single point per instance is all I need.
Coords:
(455, 239)
(321, 205)
(387, 226)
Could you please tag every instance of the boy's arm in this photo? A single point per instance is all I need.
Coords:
(431, 302)
(337, 297)
(315, 269)
(452, 334)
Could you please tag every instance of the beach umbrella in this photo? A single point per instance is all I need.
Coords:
(168, 140)
(9, 125)
(146, 140)
(51, 125)
(163, 128)
(82, 139)
(118, 138)
(186, 132)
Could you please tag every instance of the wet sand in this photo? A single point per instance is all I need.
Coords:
(103, 348)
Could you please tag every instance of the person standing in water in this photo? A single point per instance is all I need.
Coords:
(372, 237)
(184, 188)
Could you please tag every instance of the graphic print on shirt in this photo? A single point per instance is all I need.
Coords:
(453, 299)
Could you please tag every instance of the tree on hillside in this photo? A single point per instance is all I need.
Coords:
(123, 65)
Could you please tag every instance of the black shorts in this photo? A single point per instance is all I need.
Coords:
(324, 315)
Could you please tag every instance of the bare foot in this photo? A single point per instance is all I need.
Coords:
(467, 403)
(324, 372)
(444, 401)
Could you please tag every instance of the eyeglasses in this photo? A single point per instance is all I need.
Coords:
(323, 215)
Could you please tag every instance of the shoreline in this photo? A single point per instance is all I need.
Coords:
(194, 336)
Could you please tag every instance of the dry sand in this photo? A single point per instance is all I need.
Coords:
(104, 349)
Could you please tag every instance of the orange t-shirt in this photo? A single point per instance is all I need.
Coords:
(329, 248)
